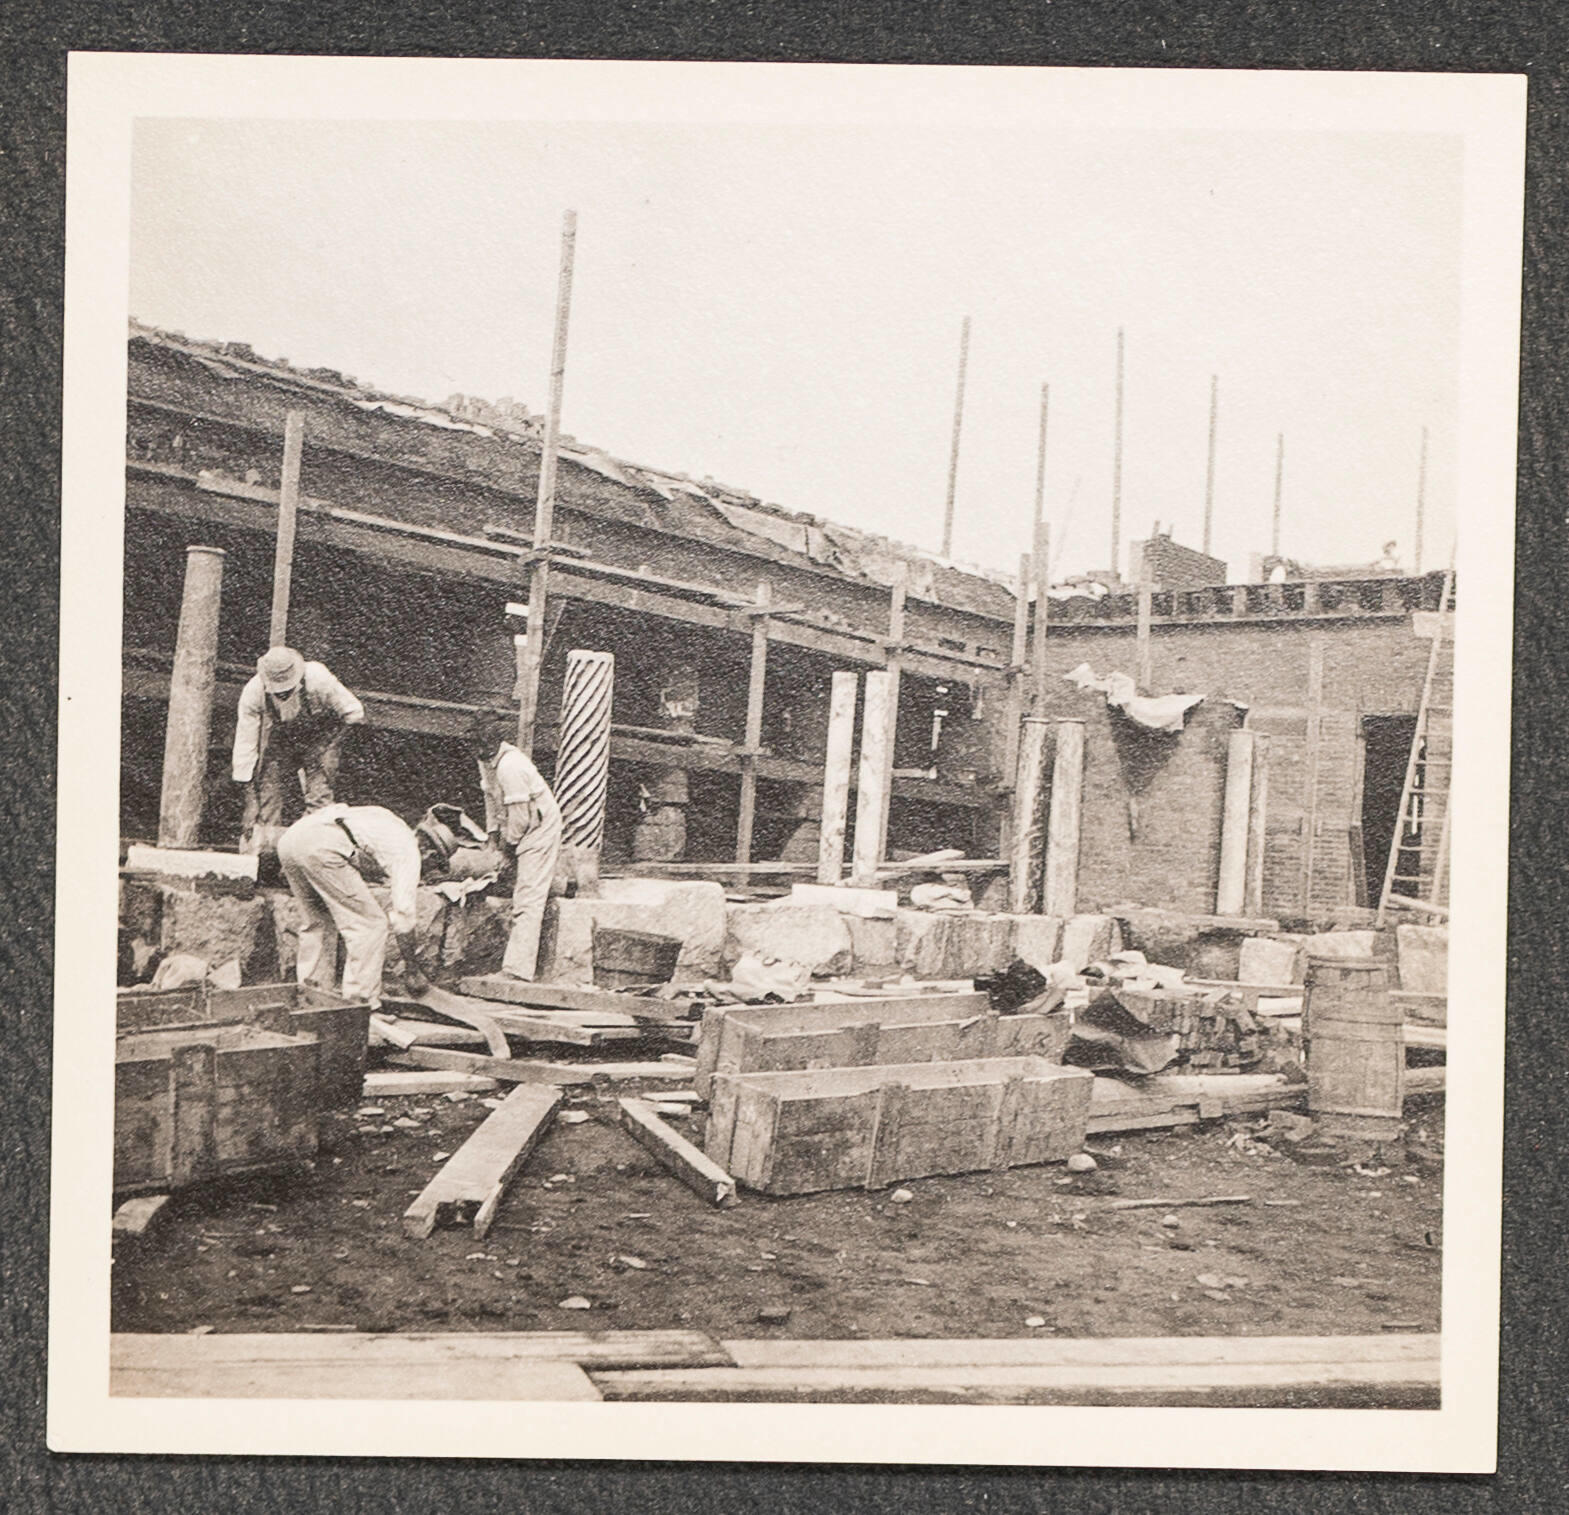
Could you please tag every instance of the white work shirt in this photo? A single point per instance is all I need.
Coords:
(510, 778)
(321, 691)
(391, 846)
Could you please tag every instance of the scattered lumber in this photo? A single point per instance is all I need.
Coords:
(698, 1172)
(465, 1012)
(411, 1033)
(1168, 1100)
(517, 991)
(523, 1070)
(385, 1085)
(136, 1215)
(1178, 1204)
(470, 1185)
(542, 1027)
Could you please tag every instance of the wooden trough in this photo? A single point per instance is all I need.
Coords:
(869, 1126)
(919, 1029)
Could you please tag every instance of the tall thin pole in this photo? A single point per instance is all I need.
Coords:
(1421, 504)
(1040, 458)
(1041, 558)
(958, 426)
(1116, 472)
(1280, 468)
(1209, 471)
(545, 503)
(288, 511)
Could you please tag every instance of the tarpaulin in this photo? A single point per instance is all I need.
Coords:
(1166, 712)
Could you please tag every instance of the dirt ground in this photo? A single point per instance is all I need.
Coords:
(1319, 1250)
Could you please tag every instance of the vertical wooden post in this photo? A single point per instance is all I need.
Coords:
(1063, 824)
(1421, 505)
(1017, 669)
(1258, 815)
(1231, 889)
(1026, 849)
(1209, 470)
(958, 427)
(545, 501)
(1315, 712)
(1040, 458)
(871, 795)
(756, 683)
(836, 778)
(895, 648)
(1116, 471)
(1142, 631)
(1280, 473)
(288, 512)
(190, 700)
(1042, 563)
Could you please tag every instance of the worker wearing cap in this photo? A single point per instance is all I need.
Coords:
(326, 856)
(521, 815)
(292, 720)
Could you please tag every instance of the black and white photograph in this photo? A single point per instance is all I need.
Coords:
(796, 747)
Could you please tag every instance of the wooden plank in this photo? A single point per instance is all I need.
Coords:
(471, 1184)
(1028, 849)
(493, 1379)
(410, 1033)
(524, 1070)
(756, 682)
(871, 805)
(541, 1028)
(414, 1350)
(391, 1085)
(516, 991)
(188, 863)
(193, 1104)
(698, 1172)
(836, 777)
(1175, 1204)
(288, 513)
(1064, 822)
(135, 1216)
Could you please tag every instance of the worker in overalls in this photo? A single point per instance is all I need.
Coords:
(327, 857)
(522, 817)
(292, 720)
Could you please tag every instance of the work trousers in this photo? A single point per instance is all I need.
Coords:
(308, 761)
(536, 856)
(318, 862)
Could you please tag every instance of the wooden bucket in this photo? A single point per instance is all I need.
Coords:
(1355, 1038)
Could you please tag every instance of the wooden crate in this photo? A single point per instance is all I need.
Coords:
(341, 1026)
(784, 1038)
(205, 1101)
(1355, 1037)
(840, 1128)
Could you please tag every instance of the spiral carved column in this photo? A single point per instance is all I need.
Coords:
(583, 762)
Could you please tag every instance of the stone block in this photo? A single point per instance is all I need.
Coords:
(1037, 939)
(430, 921)
(476, 934)
(141, 908)
(566, 943)
(1216, 954)
(1270, 960)
(813, 935)
(693, 911)
(921, 942)
(1090, 939)
(876, 904)
(1341, 944)
(217, 927)
(952, 944)
(874, 944)
(1423, 953)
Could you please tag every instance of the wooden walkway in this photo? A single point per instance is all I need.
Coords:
(1395, 1371)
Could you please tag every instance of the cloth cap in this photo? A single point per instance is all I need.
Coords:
(281, 668)
(441, 835)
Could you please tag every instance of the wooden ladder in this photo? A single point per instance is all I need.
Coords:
(1418, 867)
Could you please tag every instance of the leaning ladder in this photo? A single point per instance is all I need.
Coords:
(1419, 849)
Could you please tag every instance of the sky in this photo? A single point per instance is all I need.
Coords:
(779, 308)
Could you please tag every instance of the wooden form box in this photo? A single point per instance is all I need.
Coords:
(341, 1026)
(841, 1128)
(203, 1101)
(785, 1038)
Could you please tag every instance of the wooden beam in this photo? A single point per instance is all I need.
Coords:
(394, 1084)
(958, 428)
(288, 512)
(700, 1173)
(1041, 560)
(1064, 823)
(1028, 843)
(1018, 652)
(1142, 629)
(1315, 720)
(1258, 814)
(836, 778)
(516, 991)
(524, 1070)
(470, 1186)
(465, 1012)
(871, 808)
(192, 680)
(756, 684)
(1231, 889)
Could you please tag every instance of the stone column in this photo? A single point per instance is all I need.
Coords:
(583, 762)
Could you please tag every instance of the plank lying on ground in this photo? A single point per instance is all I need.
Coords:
(136, 1215)
(381, 1085)
(516, 991)
(700, 1173)
(1097, 1351)
(523, 1070)
(464, 1011)
(1175, 1204)
(470, 1185)
(415, 1349)
(540, 1028)
(410, 1033)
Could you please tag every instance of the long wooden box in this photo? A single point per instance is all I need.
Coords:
(840, 1128)
(341, 1026)
(204, 1101)
(784, 1038)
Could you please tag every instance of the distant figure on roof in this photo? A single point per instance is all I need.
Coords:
(1389, 559)
(292, 720)
(521, 815)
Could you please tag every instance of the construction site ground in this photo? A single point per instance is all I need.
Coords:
(1322, 1249)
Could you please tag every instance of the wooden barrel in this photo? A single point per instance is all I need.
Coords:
(1355, 1039)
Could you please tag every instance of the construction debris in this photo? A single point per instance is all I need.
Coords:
(694, 1168)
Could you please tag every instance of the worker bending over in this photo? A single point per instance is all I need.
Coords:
(292, 721)
(326, 857)
(521, 814)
